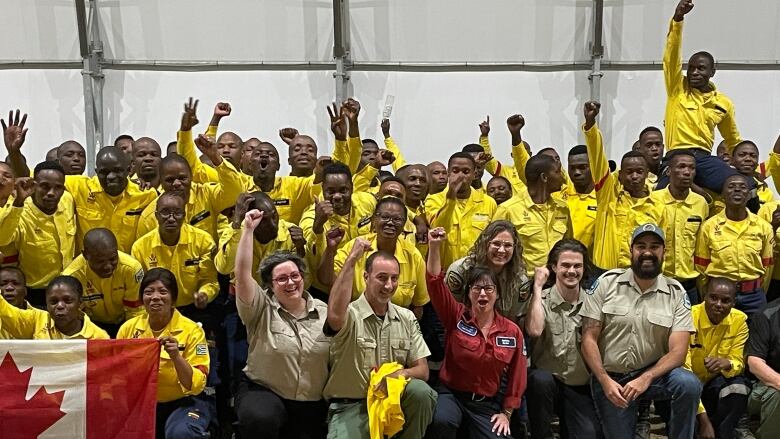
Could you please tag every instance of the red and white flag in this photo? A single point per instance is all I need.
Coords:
(93, 389)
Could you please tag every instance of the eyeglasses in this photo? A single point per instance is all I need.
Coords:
(398, 221)
(506, 245)
(489, 289)
(283, 280)
(178, 214)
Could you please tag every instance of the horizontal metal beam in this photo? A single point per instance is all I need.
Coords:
(198, 66)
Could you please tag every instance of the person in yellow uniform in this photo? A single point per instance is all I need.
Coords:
(738, 245)
(62, 319)
(651, 145)
(415, 179)
(580, 196)
(391, 146)
(147, 155)
(623, 198)
(291, 195)
(499, 189)
(683, 213)
(438, 180)
(462, 211)
(203, 202)
(694, 107)
(387, 222)
(301, 152)
(8, 254)
(183, 411)
(110, 280)
(340, 211)
(271, 235)
(744, 157)
(72, 157)
(716, 356)
(770, 212)
(14, 292)
(109, 199)
(539, 219)
(184, 250)
(42, 227)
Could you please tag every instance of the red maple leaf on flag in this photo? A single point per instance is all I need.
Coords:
(21, 418)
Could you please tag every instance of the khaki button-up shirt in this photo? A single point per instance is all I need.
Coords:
(636, 326)
(557, 350)
(288, 355)
(366, 341)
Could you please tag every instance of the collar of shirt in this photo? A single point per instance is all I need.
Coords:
(570, 191)
(660, 286)
(310, 305)
(185, 236)
(365, 311)
(669, 199)
(87, 329)
(702, 320)
(722, 220)
(142, 326)
(400, 246)
(556, 300)
(500, 325)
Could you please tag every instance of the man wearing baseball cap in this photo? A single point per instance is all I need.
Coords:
(636, 325)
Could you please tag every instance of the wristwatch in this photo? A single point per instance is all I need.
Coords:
(507, 412)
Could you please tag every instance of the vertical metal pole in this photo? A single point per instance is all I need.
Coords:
(596, 50)
(341, 48)
(91, 49)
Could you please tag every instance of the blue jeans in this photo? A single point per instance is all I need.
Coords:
(679, 386)
(711, 172)
(750, 303)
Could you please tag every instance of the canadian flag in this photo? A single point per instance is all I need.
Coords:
(78, 388)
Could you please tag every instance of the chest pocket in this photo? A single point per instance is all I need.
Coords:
(615, 312)
(692, 226)
(505, 354)
(714, 114)
(559, 226)
(400, 350)
(405, 291)
(367, 349)
(87, 214)
(662, 320)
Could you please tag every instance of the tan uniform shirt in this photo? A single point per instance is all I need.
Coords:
(366, 341)
(288, 355)
(557, 350)
(635, 326)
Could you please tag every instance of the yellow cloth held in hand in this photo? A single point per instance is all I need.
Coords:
(385, 418)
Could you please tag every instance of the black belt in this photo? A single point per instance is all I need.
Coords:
(345, 400)
(470, 396)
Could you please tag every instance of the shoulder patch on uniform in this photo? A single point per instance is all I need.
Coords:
(592, 288)
(466, 328)
(139, 275)
(506, 342)
(454, 280)
(686, 301)
(201, 349)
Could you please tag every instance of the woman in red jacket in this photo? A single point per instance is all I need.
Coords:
(481, 348)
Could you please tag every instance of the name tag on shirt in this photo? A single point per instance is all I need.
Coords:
(466, 329)
(200, 217)
(191, 262)
(506, 342)
(694, 219)
(480, 217)
(593, 208)
(136, 212)
(282, 202)
(364, 221)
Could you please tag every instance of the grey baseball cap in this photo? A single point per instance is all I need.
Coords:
(648, 228)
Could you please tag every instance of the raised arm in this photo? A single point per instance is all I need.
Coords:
(245, 282)
(673, 76)
(597, 156)
(391, 146)
(185, 145)
(534, 319)
(341, 291)
(520, 156)
(13, 135)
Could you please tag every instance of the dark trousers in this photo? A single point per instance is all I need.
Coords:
(774, 290)
(691, 290)
(749, 303)
(263, 414)
(456, 413)
(725, 400)
(547, 397)
(185, 418)
(711, 172)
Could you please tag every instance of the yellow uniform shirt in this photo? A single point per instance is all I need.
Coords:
(725, 340)
(348, 152)
(202, 173)
(412, 289)
(362, 179)
(736, 250)
(228, 244)
(765, 213)
(618, 213)
(95, 208)
(520, 157)
(540, 226)
(463, 219)
(400, 161)
(114, 299)
(680, 221)
(46, 243)
(190, 260)
(763, 192)
(192, 346)
(691, 116)
(9, 257)
(205, 202)
(36, 324)
(582, 209)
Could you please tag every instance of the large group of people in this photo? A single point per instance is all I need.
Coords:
(348, 301)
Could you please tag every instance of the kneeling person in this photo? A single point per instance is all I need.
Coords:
(368, 333)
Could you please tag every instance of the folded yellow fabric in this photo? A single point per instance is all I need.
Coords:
(385, 417)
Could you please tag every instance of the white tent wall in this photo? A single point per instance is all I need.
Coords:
(435, 112)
